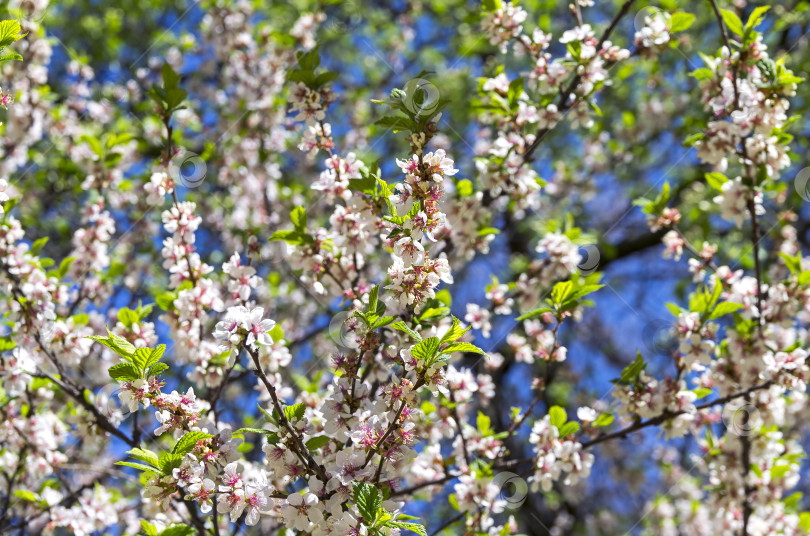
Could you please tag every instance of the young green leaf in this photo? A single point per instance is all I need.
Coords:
(187, 443)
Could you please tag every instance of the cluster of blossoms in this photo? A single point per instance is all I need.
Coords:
(750, 467)
(414, 275)
(557, 456)
(655, 31)
(310, 106)
(747, 93)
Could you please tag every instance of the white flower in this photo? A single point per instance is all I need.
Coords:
(240, 321)
(411, 251)
(478, 317)
(586, 414)
(300, 509)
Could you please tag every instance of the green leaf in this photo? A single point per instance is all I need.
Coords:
(701, 392)
(325, 78)
(433, 313)
(25, 495)
(138, 466)
(295, 412)
(170, 78)
(116, 343)
(124, 372)
(128, 317)
(534, 313)
(583, 291)
(569, 428)
(557, 416)
(148, 528)
(169, 461)
(631, 371)
(157, 368)
(724, 309)
(680, 22)
(804, 521)
(365, 185)
(413, 527)
(10, 32)
(145, 455)
(304, 76)
(272, 437)
(732, 21)
(396, 123)
(146, 357)
(514, 91)
(381, 322)
(309, 61)
(368, 500)
(317, 442)
(702, 73)
(400, 326)
(37, 246)
(483, 424)
(426, 349)
(165, 300)
(64, 266)
(455, 332)
(299, 218)
(462, 347)
(464, 188)
(716, 180)
(11, 56)
(561, 291)
(372, 298)
(178, 530)
(187, 443)
(756, 18)
(486, 231)
(605, 419)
